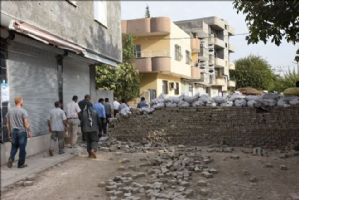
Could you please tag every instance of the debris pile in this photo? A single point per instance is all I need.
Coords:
(167, 174)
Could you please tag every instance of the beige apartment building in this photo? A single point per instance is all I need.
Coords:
(166, 56)
(214, 56)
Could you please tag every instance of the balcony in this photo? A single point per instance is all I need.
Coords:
(215, 23)
(219, 63)
(146, 26)
(143, 64)
(231, 66)
(219, 81)
(231, 31)
(231, 48)
(155, 64)
(195, 73)
(195, 45)
(231, 83)
(219, 43)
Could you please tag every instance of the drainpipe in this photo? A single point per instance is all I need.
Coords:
(60, 59)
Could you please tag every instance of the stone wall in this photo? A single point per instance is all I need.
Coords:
(248, 127)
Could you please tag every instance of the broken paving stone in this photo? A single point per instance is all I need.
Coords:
(111, 187)
(228, 149)
(101, 184)
(213, 171)
(113, 198)
(253, 179)
(206, 174)
(234, 157)
(189, 193)
(246, 173)
(138, 175)
(283, 167)
(201, 183)
(268, 165)
(132, 167)
(121, 168)
(203, 192)
(27, 183)
(125, 160)
(19, 183)
(184, 183)
(126, 174)
(30, 178)
(127, 194)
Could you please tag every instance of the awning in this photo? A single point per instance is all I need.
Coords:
(48, 38)
(45, 37)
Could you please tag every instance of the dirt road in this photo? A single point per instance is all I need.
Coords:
(78, 178)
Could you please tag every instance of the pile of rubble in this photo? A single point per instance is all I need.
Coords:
(167, 175)
(236, 99)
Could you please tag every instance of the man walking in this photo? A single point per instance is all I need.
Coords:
(100, 109)
(108, 112)
(82, 104)
(73, 111)
(90, 125)
(57, 125)
(19, 130)
(115, 105)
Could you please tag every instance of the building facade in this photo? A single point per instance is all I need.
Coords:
(214, 56)
(49, 50)
(165, 56)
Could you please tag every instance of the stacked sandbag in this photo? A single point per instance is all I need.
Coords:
(236, 99)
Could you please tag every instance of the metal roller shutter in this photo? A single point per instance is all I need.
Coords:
(32, 74)
(76, 79)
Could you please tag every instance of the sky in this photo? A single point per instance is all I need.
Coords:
(281, 58)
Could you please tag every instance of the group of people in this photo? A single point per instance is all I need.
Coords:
(93, 120)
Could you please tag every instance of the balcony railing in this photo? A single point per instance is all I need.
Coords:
(219, 43)
(146, 26)
(195, 73)
(195, 45)
(231, 48)
(231, 66)
(219, 81)
(219, 63)
(154, 64)
(231, 83)
(231, 31)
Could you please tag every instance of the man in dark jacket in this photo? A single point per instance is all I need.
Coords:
(82, 104)
(90, 127)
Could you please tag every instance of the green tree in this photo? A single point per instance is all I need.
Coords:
(147, 12)
(275, 19)
(252, 71)
(123, 80)
(288, 80)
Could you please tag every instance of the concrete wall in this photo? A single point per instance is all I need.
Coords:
(180, 67)
(233, 126)
(153, 45)
(74, 23)
(169, 78)
(148, 81)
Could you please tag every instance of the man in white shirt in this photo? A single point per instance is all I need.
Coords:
(115, 106)
(73, 111)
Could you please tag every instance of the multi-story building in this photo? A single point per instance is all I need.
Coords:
(49, 50)
(214, 56)
(165, 56)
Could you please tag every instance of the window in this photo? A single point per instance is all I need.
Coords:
(177, 88)
(165, 87)
(178, 55)
(74, 3)
(188, 58)
(100, 12)
(137, 51)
